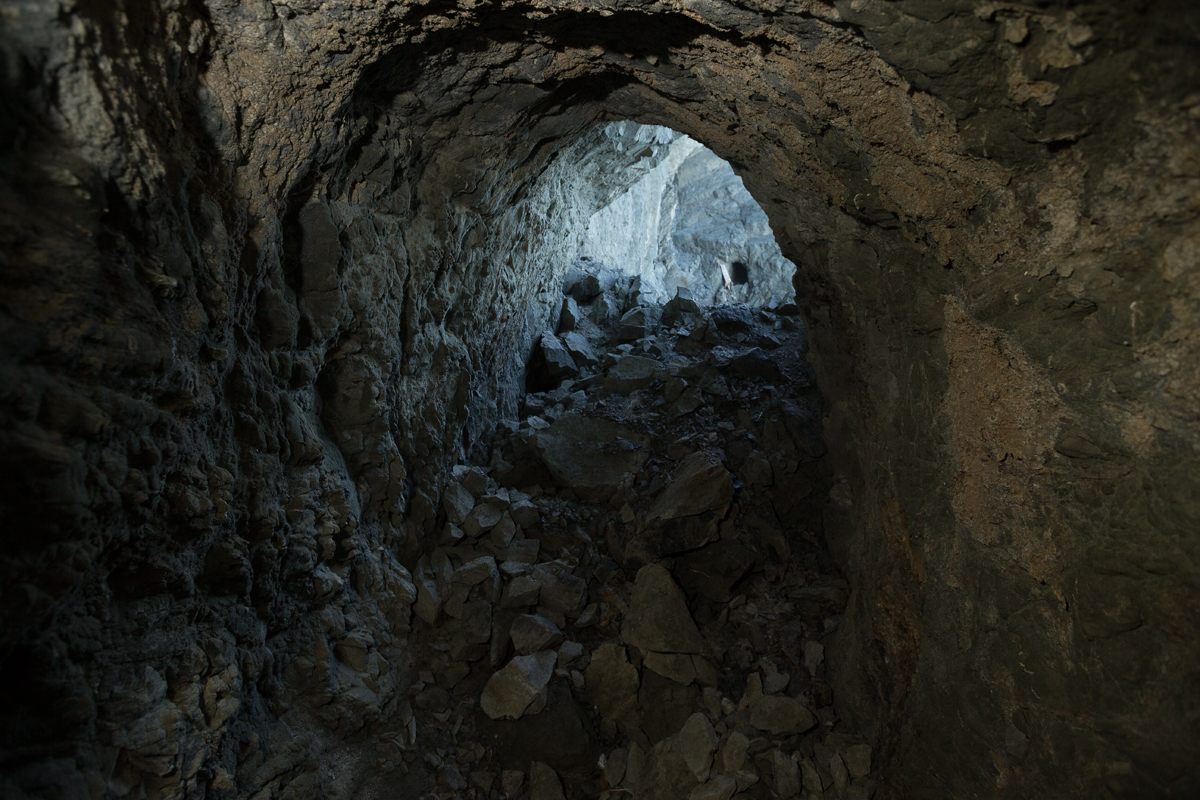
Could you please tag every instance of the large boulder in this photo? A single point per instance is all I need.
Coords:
(591, 455)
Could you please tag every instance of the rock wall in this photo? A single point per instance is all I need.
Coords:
(268, 268)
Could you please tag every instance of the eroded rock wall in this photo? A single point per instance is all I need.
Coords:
(265, 264)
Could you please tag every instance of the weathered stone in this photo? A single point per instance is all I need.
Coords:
(612, 682)
(544, 783)
(700, 483)
(568, 316)
(591, 455)
(631, 373)
(458, 501)
(552, 364)
(482, 518)
(582, 287)
(635, 324)
(580, 349)
(658, 618)
(786, 771)
(522, 591)
(679, 306)
(559, 589)
(721, 787)
(531, 632)
(477, 571)
(511, 782)
(733, 752)
(780, 715)
(858, 760)
(519, 686)
(696, 742)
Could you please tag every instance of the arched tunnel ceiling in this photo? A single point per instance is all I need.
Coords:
(266, 262)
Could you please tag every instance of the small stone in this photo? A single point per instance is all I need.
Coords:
(561, 591)
(858, 760)
(477, 571)
(570, 653)
(582, 287)
(780, 715)
(680, 305)
(474, 479)
(503, 532)
(569, 315)
(521, 592)
(810, 778)
(482, 518)
(720, 787)
(841, 777)
(511, 782)
(552, 363)
(614, 766)
(733, 752)
(525, 513)
(531, 632)
(518, 686)
(524, 551)
(814, 654)
(544, 783)
(581, 350)
(612, 682)
(787, 774)
(632, 373)
(429, 599)
(595, 457)
(757, 470)
(658, 619)
(700, 483)
(775, 682)
(457, 501)
(676, 666)
(635, 324)
(696, 742)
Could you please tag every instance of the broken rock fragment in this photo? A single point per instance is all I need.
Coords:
(533, 632)
(658, 618)
(612, 682)
(518, 687)
(696, 743)
(780, 715)
(592, 455)
(700, 483)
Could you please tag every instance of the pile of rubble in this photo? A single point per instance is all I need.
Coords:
(630, 598)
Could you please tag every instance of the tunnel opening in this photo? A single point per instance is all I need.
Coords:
(629, 574)
(293, 521)
(686, 222)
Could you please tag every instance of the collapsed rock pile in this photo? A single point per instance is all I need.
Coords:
(630, 599)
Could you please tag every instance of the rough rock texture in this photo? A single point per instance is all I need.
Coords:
(269, 268)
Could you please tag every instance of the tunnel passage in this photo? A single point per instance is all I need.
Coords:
(270, 270)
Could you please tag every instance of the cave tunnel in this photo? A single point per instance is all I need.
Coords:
(284, 517)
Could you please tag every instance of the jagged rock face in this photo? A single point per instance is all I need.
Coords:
(269, 268)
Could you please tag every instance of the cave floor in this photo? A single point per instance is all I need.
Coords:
(632, 596)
